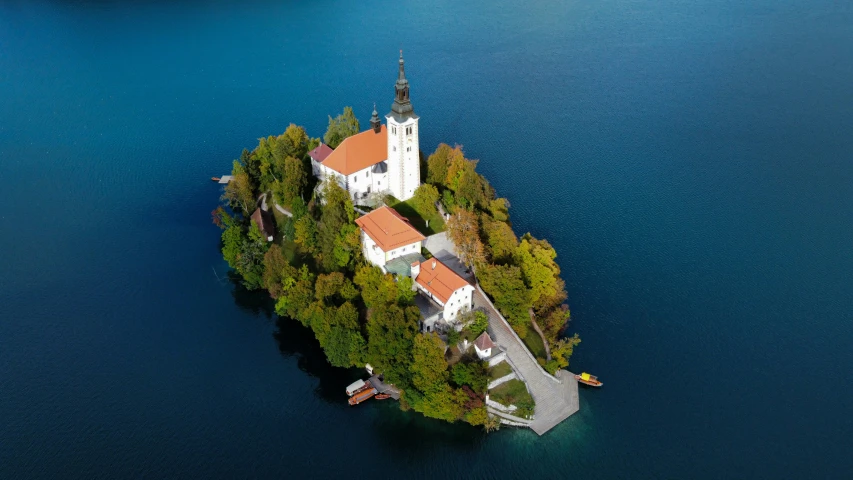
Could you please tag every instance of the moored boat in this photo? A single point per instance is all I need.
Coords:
(588, 379)
(382, 396)
(214, 179)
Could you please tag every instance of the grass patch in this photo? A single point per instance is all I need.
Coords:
(436, 222)
(515, 393)
(500, 370)
(534, 343)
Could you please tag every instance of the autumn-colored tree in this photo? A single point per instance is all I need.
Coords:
(463, 231)
(437, 164)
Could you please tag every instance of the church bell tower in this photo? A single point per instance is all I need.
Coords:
(404, 170)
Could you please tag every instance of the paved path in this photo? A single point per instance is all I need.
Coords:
(556, 398)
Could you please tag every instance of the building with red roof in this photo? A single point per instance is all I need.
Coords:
(386, 235)
(445, 287)
(383, 159)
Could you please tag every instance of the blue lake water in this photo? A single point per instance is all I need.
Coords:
(690, 161)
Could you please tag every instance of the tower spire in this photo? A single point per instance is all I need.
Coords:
(375, 123)
(402, 105)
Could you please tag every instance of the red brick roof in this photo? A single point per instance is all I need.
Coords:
(359, 152)
(439, 280)
(388, 228)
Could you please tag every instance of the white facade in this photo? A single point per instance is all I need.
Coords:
(374, 254)
(461, 301)
(483, 354)
(359, 184)
(404, 168)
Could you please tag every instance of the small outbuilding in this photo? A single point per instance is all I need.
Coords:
(264, 221)
(483, 345)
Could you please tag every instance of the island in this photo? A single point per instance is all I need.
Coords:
(407, 266)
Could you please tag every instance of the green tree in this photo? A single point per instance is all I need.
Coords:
(292, 182)
(377, 289)
(292, 143)
(501, 242)
(337, 233)
(305, 234)
(239, 193)
(424, 200)
(561, 352)
(405, 291)
(539, 270)
(343, 126)
(296, 296)
(430, 377)
(476, 322)
(390, 333)
(276, 269)
(473, 374)
(499, 208)
(506, 286)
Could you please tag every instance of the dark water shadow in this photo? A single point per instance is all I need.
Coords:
(393, 427)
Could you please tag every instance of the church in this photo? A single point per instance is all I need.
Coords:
(382, 160)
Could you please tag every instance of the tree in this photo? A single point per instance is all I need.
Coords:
(429, 368)
(334, 288)
(292, 182)
(472, 374)
(463, 231)
(276, 269)
(437, 164)
(506, 286)
(305, 234)
(429, 376)
(561, 351)
(500, 240)
(499, 208)
(337, 233)
(343, 126)
(377, 289)
(292, 143)
(424, 200)
(391, 330)
(476, 322)
(297, 295)
(538, 268)
(239, 193)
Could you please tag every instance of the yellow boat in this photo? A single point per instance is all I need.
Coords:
(588, 379)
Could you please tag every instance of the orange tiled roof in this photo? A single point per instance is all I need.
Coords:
(359, 152)
(388, 228)
(439, 280)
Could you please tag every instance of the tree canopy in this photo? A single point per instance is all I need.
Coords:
(343, 126)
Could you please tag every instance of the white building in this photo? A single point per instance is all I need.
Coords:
(386, 235)
(483, 346)
(384, 159)
(444, 286)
